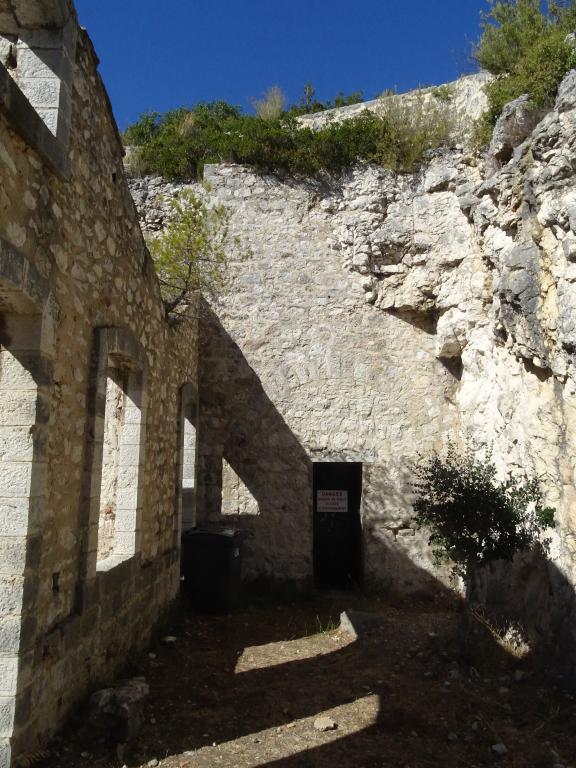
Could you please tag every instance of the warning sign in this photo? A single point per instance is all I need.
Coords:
(332, 501)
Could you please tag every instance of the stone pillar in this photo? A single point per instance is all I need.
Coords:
(25, 381)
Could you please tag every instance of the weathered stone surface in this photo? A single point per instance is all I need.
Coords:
(566, 99)
(325, 723)
(288, 366)
(466, 97)
(35, 14)
(381, 315)
(517, 121)
(73, 260)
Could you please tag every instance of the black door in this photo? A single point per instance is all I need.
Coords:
(337, 528)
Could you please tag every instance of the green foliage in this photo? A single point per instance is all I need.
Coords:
(474, 518)
(309, 104)
(413, 128)
(526, 49)
(509, 31)
(144, 130)
(185, 139)
(345, 100)
(443, 93)
(192, 252)
(178, 144)
(482, 130)
(284, 145)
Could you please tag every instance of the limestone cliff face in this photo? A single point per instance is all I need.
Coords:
(490, 258)
(382, 314)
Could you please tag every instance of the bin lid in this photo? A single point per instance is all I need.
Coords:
(228, 533)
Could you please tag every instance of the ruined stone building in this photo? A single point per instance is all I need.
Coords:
(377, 317)
(96, 388)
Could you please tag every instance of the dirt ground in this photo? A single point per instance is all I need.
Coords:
(244, 691)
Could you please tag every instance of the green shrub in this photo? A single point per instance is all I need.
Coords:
(144, 130)
(178, 144)
(185, 139)
(309, 104)
(443, 93)
(509, 31)
(481, 133)
(474, 518)
(526, 49)
(414, 127)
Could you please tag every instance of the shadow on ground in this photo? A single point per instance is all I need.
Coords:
(244, 691)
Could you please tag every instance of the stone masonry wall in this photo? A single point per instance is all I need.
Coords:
(72, 260)
(465, 96)
(296, 367)
(380, 315)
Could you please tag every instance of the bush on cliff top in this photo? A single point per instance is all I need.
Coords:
(176, 145)
(526, 48)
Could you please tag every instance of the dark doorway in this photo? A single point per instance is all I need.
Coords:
(337, 527)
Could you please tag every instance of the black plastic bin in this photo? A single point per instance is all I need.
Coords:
(211, 568)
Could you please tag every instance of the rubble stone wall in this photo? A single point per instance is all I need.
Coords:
(73, 262)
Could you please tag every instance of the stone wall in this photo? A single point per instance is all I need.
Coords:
(465, 98)
(79, 299)
(376, 317)
(380, 315)
(296, 367)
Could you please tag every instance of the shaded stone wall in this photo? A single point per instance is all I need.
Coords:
(72, 261)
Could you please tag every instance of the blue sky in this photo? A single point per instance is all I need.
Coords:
(159, 55)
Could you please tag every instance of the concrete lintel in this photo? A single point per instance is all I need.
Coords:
(122, 346)
(28, 124)
(18, 275)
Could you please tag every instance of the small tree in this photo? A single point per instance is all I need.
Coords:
(474, 518)
(308, 96)
(192, 254)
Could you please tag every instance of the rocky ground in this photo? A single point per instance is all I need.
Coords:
(282, 686)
